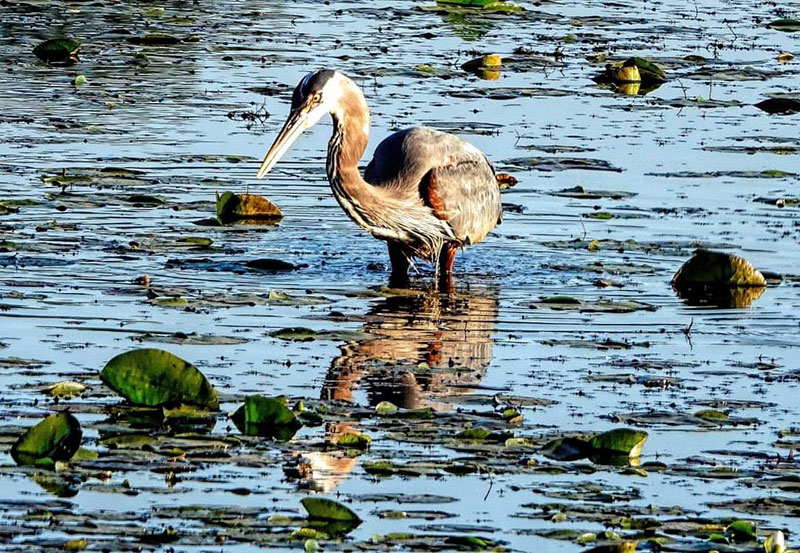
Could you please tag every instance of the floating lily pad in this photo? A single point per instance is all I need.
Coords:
(787, 25)
(548, 164)
(320, 508)
(155, 39)
(581, 193)
(272, 265)
(717, 268)
(780, 105)
(232, 207)
(567, 303)
(741, 531)
(624, 441)
(484, 5)
(58, 50)
(351, 440)
(155, 377)
(266, 416)
(56, 438)
(67, 388)
(566, 449)
(710, 277)
(294, 334)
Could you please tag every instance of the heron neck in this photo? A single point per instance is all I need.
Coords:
(345, 148)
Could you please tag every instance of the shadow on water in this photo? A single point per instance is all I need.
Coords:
(419, 347)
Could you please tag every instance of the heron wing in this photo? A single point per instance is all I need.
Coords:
(450, 176)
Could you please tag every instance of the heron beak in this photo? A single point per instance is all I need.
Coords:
(297, 122)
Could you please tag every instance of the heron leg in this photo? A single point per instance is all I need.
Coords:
(447, 257)
(400, 265)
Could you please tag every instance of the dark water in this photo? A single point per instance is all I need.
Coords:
(692, 164)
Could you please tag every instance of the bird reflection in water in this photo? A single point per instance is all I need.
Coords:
(421, 348)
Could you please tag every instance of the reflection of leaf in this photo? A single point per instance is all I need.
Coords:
(56, 438)
(266, 416)
(57, 484)
(156, 377)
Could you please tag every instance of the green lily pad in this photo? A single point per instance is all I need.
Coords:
(58, 50)
(712, 415)
(741, 531)
(620, 441)
(266, 416)
(294, 334)
(155, 377)
(486, 5)
(320, 508)
(56, 438)
(378, 468)
(786, 25)
(648, 70)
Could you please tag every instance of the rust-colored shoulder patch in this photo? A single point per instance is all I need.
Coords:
(429, 194)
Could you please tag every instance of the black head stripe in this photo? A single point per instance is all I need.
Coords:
(310, 84)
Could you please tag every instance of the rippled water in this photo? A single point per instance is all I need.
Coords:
(697, 158)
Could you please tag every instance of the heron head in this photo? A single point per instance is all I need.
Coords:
(315, 95)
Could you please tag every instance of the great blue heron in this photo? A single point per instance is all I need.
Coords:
(427, 193)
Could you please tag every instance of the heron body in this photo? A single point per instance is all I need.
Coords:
(425, 192)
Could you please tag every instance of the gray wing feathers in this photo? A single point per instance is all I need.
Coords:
(465, 180)
(471, 199)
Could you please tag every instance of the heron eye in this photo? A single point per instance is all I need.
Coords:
(317, 98)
